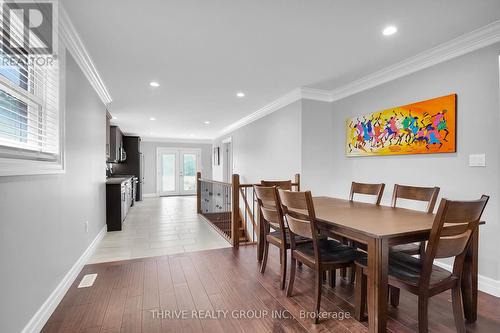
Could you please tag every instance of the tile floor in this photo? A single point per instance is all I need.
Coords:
(157, 227)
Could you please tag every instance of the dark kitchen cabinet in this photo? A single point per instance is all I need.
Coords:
(108, 134)
(115, 144)
(119, 198)
(133, 165)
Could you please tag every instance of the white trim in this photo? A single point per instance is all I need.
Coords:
(228, 139)
(461, 45)
(175, 151)
(43, 314)
(174, 140)
(466, 43)
(316, 94)
(279, 103)
(178, 181)
(485, 284)
(23, 166)
(150, 195)
(74, 44)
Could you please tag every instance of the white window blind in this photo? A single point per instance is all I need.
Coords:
(29, 98)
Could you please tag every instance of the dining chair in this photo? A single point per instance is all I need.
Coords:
(322, 254)
(376, 190)
(368, 189)
(275, 230)
(283, 184)
(414, 193)
(420, 276)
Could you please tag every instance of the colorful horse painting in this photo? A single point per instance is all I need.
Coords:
(425, 127)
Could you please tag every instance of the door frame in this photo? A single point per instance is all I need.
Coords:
(160, 150)
(178, 151)
(227, 159)
(197, 152)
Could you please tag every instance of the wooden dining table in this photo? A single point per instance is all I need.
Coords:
(380, 227)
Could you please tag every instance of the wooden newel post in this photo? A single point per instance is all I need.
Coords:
(235, 211)
(198, 192)
(297, 181)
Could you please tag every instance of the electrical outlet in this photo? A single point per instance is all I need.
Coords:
(86, 226)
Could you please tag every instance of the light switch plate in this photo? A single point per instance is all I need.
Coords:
(477, 160)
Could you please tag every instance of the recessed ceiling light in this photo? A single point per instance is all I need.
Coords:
(240, 94)
(114, 118)
(389, 30)
(206, 122)
(152, 118)
(154, 84)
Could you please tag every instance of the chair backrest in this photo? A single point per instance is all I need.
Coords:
(270, 207)
(298, 209)
(428, 194)
(452, 240)
(283, 184)
(369, 189)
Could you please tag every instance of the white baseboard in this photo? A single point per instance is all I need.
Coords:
(43, 314)
(485, 284)
(150, 195)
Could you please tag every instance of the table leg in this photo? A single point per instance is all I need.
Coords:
(378, 261)
(469, 279)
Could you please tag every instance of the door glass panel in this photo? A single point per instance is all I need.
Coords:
(189, 172)
(168, 172)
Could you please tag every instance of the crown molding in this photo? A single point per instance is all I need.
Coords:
(74, 44)
(474, 40)
(316, 94)
(277, 104)
(176, 140)
(461, 45)
(296, 94)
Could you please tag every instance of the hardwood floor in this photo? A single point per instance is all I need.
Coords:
(138, 295)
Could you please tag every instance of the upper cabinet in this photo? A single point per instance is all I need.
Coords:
(114, 142)
(108, 125)
(115, 145)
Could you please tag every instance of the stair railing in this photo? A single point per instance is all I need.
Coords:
(231, 208)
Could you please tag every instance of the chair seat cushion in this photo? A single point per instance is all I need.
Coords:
(276, 236)
(410, 248)
(331, 251)
(407, 269)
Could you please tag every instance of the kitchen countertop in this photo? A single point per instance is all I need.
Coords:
(116, 180)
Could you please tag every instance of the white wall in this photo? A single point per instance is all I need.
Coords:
(42, 232)
(475, 79)
(268, 148)
(317, 141)
(309, 137)
(148, 148)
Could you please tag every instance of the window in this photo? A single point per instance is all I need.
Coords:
(29, 103)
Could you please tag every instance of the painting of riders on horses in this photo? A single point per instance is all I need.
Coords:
(425, 127)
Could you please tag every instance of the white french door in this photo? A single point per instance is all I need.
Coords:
(177, 171)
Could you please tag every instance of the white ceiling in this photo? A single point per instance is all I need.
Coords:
(202, 52)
